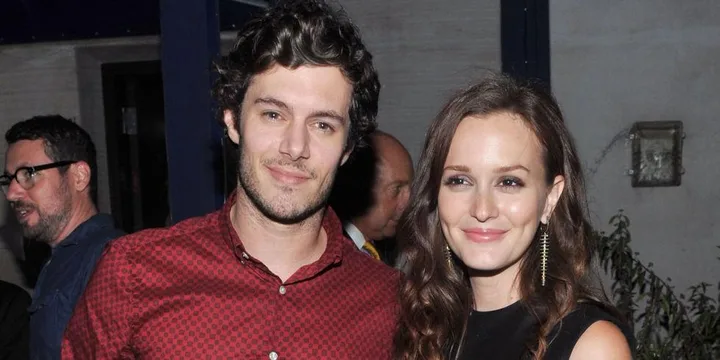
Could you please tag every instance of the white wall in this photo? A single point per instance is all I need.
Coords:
(618, 62)
(34, 80)
(58, 78)
(424, 50)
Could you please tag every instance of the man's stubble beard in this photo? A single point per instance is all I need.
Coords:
(249, 182)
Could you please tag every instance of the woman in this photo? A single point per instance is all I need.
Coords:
(497, 228)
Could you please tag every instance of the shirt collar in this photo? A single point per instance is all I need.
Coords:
(94, 222)
(355, 234)
(330, 223)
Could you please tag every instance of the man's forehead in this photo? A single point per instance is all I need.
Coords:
(393, 171)
(26, 153)
(294, 85)
(393, 154)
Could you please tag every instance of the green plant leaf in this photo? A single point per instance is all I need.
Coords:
(672, 326)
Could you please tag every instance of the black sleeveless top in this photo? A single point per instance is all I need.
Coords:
(509, 332)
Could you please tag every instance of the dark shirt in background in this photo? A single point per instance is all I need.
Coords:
(62, 281)
(13, 322)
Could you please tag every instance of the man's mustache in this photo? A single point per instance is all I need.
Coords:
(20, 205)
(292, 164)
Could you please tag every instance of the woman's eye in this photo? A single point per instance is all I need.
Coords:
(455, 181)
(511, 182)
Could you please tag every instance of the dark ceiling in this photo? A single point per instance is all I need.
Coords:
(27, 21)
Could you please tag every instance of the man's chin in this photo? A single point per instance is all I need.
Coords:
(31, 234)
(388, 234)
(34, 232)
(288, 218)
(292, 211)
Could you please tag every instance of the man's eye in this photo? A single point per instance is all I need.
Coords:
(394, 191)
(27, 175)
(272, 115)
(323, 126)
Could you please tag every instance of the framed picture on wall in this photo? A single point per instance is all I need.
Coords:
(657, 153)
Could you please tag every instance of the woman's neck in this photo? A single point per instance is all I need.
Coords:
(495, 290)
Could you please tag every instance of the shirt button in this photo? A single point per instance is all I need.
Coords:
(273, 355)
(245, 255)
(282, 290)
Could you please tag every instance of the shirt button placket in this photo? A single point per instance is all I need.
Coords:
(282, 290)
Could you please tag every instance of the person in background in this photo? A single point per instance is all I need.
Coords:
(270, 275)
(497, 246)
(50, 182)
(371, 192)
(14, 320)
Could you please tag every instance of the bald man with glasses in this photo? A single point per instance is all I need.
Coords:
(50, 182)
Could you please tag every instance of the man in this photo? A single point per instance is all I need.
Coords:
(270, 276)
(14, 302)
(371, 192)
(49, 180)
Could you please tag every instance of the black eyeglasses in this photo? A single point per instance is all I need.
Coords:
(25, 175)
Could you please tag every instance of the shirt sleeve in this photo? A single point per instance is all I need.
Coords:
(100, 327)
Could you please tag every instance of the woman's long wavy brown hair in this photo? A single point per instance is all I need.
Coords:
(437, 298)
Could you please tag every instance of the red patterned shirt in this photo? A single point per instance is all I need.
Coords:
(191, 292)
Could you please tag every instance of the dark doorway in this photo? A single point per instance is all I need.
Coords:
(135, 130)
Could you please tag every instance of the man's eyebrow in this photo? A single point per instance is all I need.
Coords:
(329, 114)
(273, 101)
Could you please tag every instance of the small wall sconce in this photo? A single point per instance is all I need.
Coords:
(656, 153)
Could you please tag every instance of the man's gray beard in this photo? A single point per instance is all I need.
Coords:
(47, 228)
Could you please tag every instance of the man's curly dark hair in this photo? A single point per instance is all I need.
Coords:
(294, 33)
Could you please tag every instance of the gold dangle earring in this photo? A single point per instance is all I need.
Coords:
(448, 256)
(544, 249)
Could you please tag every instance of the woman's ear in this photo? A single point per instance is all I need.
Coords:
(552, 198)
